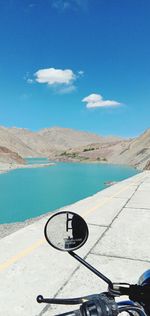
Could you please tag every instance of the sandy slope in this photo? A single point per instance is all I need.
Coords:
(64, 144)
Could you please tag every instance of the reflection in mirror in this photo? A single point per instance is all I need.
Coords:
(66, 231)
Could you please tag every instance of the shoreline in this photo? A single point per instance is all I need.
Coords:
(6, 167)
(7, 229)
(10, 228)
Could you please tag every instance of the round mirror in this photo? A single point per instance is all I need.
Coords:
(66, 231)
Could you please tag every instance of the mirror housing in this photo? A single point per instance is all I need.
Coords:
(66, 231)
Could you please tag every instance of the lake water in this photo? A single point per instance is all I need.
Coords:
(27, 193)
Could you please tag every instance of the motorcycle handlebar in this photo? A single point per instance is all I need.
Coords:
(128, 309)
(101, 305)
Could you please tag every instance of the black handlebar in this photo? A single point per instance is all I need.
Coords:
(92, 305)
(104, 304)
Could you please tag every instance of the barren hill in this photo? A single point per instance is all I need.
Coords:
(63, 138)
(136, 152)
(8, 156)
(15, 143)
(64, 144)
(32, 141)
(45, 141)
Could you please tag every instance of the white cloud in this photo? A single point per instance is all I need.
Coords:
(81, 73)
(30, 81)
(60, 80)
(27, 78)
(67, 89)
(53, 76)
(69, 4)
(97, 101)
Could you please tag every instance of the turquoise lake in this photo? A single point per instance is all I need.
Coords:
(27, 193)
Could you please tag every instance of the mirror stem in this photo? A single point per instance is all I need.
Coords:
(87, 265)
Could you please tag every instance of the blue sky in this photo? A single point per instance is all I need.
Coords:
(82, 64)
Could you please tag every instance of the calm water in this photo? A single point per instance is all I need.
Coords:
(26, 193)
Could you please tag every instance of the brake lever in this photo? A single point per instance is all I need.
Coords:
(68, 301)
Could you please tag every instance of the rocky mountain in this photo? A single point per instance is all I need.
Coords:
(15, 143)
(34, 144)
(8, 156)
(101, 152)
(45, 141)
(64, 144)
(136, 152)
(63, 138)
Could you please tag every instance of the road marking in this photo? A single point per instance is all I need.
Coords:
(107, 199)
(21, 254)
(40, 242)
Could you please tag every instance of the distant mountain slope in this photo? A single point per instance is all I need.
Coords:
(136, 152)
(65, 144)
(58, 137)
(32, 140)
(8, 156)
(13, 142)
(45, 141)
(103, 151)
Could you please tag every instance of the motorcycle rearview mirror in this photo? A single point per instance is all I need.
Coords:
(66, 231)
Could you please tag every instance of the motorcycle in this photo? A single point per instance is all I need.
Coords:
(67, 231)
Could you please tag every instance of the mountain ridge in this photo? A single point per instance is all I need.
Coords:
(65, 144)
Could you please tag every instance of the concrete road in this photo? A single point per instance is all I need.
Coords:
(118, 245)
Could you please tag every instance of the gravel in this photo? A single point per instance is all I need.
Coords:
(7, 229)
